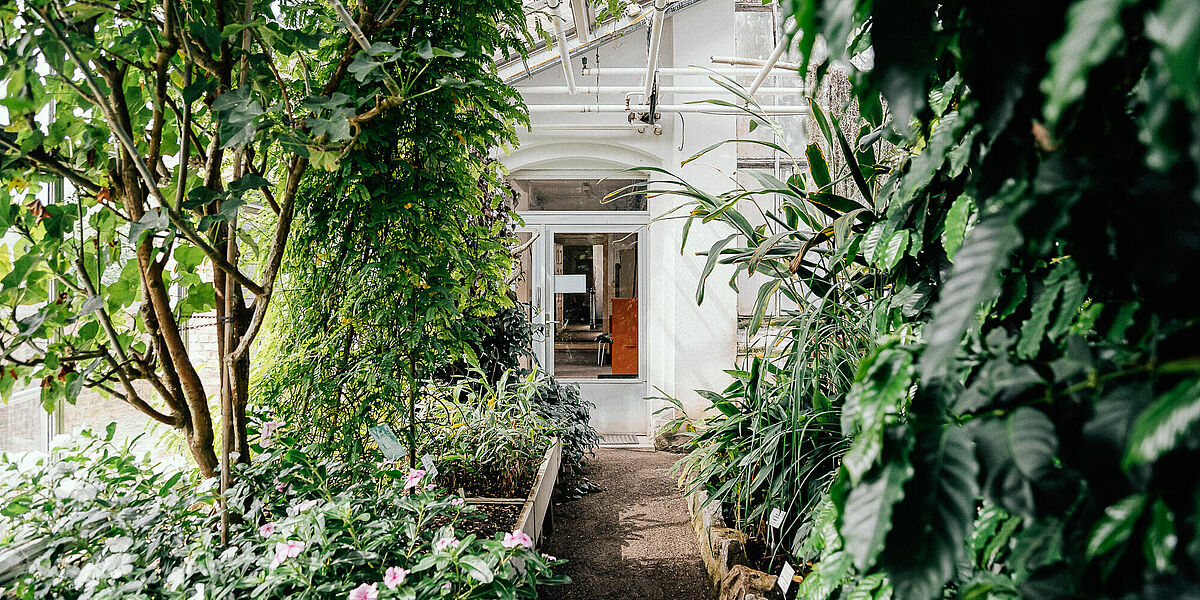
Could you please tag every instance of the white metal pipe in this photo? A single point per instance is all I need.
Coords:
(663, 108)
(533, 90)
(595, 127)
(563, 52)
(780, 48)
(752, 62)
(693, 71)
(660, 7)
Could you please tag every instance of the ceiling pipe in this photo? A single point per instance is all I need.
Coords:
(662, 108)
(533, 90)
(563, 51)
(660, 7)
(614, 127)
(780, 48)
(752, 62)
(693, 71)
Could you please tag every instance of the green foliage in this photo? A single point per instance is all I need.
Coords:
(402, 247)
(137, 135)
(126, 527)
(775, 436)
(1038, 453)
(1019, 421)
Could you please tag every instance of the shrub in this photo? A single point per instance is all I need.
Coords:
(122, 527)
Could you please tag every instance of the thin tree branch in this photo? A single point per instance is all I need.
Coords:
(124, 138)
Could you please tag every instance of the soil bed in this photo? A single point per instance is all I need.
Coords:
(497, 518)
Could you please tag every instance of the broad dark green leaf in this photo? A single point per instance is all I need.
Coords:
(1159, 428)
(931, 524)
(1093, 32)
(867, 515)
(974, 280)
(1116, 526)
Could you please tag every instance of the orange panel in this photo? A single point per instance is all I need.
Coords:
(624, 336)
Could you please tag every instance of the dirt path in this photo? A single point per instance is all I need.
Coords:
(631, 540)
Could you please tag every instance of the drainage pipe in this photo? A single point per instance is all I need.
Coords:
(563, 51)
(655, 40)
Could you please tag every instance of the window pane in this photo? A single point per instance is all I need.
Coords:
(578, 195)
(23, 423)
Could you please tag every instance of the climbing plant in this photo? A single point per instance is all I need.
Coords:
(404, 253)
(1024, 431)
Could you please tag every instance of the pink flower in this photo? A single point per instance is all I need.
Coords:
(457, 502)
(268, 429)
(445, 543)
(365, 592)
(303, 506)
(548, 558)
(414, 478)
(267, 530)
(446, 586)
(394, 577)
(283, 488)
(517, 538)
(431, 486)
(286, 550)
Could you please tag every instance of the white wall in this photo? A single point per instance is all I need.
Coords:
(686, 346)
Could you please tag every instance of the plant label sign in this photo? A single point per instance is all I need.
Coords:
(430, 466)
(785, 577)
(386, 439)
(776, 518)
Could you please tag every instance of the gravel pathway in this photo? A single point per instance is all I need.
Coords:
(632, 540)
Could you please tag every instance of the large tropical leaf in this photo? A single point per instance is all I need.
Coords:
(867, 515)
(974, 280)
(931, 524)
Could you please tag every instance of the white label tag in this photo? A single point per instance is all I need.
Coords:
(785, 577)
(776, 518)
(430, 467)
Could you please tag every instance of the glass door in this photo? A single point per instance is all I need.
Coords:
(595, 281)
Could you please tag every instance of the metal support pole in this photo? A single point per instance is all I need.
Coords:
(563, 51)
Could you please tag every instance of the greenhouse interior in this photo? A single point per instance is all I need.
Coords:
(599, 299)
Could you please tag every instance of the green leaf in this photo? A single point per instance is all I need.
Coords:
(956, 225)
(817, 166)
(867, 516)
(1093, 32)
(714, 253)
(974, 280)
(477, 568)
(931, 524)
(1160, 538)
(1033, 331)
(1159, 428)
(151, 222)
(761, 304)
(1173, 27)
(890, 255)
(17, 506)
(1116, 526)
